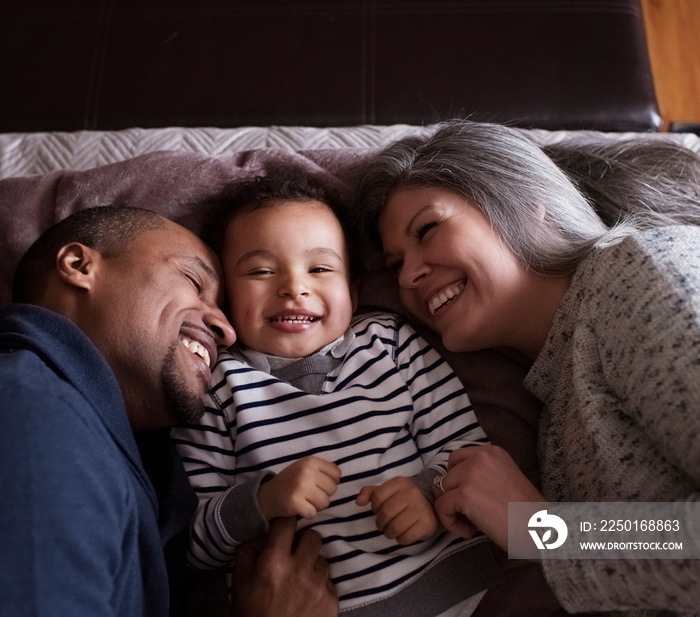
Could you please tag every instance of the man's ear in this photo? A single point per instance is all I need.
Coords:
(77, 264)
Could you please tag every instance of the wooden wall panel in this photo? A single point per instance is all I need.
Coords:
(673, 37)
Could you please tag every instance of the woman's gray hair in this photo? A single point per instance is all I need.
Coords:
(644, 181)
(531, 202)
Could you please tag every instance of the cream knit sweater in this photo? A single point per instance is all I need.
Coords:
(620, 380)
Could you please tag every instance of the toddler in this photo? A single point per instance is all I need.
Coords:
(343, 421)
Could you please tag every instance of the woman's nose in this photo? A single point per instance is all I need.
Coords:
(412, 272)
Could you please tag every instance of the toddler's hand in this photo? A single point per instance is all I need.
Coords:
(301, 489)
(403, 512)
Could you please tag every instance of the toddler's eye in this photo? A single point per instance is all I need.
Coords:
(319, 269)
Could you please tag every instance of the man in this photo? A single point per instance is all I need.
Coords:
(113, 330)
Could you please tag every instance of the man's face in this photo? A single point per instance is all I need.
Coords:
(159, 324)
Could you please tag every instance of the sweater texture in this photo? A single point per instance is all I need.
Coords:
(619, 377)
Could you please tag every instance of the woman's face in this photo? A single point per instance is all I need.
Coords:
(457, 275)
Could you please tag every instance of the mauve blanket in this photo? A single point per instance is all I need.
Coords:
(181, 186)
(185, 186)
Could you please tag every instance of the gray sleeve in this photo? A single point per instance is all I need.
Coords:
(425, 479)
(240, 511)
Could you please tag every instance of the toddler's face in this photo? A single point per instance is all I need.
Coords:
(287, 278)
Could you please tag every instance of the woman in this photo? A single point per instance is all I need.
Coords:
(494, 245)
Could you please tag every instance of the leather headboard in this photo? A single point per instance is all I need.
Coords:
(112, 64)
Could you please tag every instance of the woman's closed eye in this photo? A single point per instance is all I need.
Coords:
(395, 267)
(424, 229)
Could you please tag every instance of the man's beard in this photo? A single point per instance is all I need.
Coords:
(184, 406)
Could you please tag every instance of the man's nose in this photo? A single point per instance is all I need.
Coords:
(223, 331)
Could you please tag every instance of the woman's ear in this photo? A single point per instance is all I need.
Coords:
(77, 264)
(541, 212)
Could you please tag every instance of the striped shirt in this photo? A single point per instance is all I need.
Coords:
(391, 407)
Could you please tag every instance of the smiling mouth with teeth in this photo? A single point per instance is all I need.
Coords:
(197, 349)
(444, 296)
(294, 319)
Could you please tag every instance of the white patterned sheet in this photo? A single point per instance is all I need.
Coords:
(29, 154)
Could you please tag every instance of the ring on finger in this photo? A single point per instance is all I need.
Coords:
(437, 481)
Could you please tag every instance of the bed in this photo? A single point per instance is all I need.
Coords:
(92, 73)
(183, 172)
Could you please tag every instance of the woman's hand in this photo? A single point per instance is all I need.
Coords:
(479, 483)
